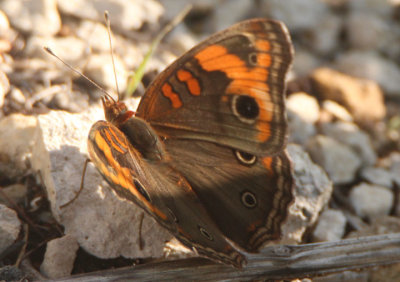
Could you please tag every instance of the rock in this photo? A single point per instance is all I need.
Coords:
(68, 48)
(15, 193)
(103, 224)
(300, 14)
(331, 110)
(96, 35)
(366, 31)
(100, 69)
(304, 105)
(363, 98)
(173, 7)
(370, 200)
(17, 138)
(9, 227)
(338, 160)
(125, 15)
(304, 62)
(330, 227)
(303, 112)
(38, 17)
(380, 8)
(230, 12)
(11, 273)
(324, 39)
(378, 175)
(351, 135)
(370, 65)
(300, 130)
(4, 87)
(312, 192)
(59, 257)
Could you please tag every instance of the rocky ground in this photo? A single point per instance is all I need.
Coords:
(343, 111)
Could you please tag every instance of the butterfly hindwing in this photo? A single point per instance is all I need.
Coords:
(246, 196)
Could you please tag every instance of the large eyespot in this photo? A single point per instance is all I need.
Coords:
(248, 199)
(245, 158)
(245, 108)
(205, 233)
(141, 190)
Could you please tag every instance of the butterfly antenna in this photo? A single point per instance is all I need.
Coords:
(107, 19)
(48, 50)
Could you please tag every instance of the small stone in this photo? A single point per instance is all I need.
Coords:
(370, 65)
(16, 142)
(9, 227)
(68, 48)
(303, 112)
(330, 227)
(125, 15)
(370, 200)
(366, 31)
(335, 112)
(304, 105)
(59, 257)
(96, 35)
(4, 87)
(376, 7)
(300, 130)
(363, 98)
(338, 160)
(378, 175)
(299, 15)
(304, 62)
(228, 12)
(325, 38)
(312, 192)
(100, 69)
(38, 17)
(15, 192)
(17, 96)
(351, 135)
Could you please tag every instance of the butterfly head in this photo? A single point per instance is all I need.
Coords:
(115, 112)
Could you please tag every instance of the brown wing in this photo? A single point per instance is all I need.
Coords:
(160, 191)
(228, 90)
(247, 196)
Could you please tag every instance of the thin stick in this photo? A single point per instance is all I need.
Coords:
(80, 188)
(133, 83)
(107, 19)
(48, 50)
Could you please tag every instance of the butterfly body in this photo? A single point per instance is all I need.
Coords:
(204, 154)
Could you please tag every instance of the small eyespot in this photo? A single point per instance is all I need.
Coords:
(249, 200)
(253, 59)
(245, 108)
(205, 233)
(245, 158)
(141, 190)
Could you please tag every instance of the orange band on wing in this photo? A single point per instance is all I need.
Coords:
(267, 162)
(119, 175)
(263, 45)
(191, 82)
(245, 80)
(171, 95)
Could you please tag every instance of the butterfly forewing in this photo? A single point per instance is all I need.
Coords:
(159, 190)
(228, 89)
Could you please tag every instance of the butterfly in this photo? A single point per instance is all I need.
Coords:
(204, 154)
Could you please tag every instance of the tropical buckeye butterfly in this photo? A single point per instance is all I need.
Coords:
(204, 153)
